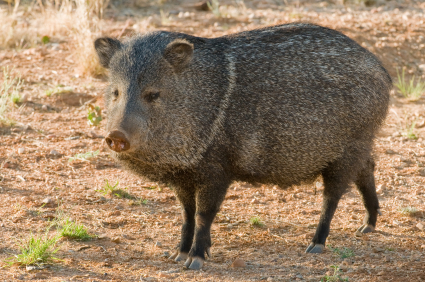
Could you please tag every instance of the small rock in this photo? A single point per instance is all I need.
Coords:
(24, 98)
(26, 127)
(396, 223)
(44, 108)
(5, 165)
(164, 275)
(21, 150)
(173, 270)
(102, 236)
(115, 213)
(381, 188)
(158, 244)
(166, 254)
(116, 240)
(40, 275)
(254, 201)
(420, 226)
(47, 201)
(54, 153)
(299, 276)
(73, 138)
(390, 152)
(34, 267)
(238, 263)
(422, 67)
(270, 279)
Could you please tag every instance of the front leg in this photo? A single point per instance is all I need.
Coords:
(187, 200)
(208, 201)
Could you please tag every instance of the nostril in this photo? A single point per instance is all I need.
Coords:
(117, 141)
(109, 142)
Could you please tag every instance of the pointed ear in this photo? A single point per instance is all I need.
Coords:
(106, 48)
(179, 53)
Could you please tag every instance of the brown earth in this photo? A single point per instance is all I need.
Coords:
(135, 238)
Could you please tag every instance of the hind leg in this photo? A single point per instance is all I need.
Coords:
(336, 183)
(366, 185)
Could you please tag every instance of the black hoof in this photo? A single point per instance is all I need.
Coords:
(195, 263)
(366, 228)
(315, 248)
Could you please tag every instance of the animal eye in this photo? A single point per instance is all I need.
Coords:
(115, 93)
(151, 96)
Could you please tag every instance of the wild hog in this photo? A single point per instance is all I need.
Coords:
(279, 105)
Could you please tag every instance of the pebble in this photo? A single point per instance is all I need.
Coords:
(381, 188)
(158, 244)
(21, 150)
(33, 267)
(381, 273)
(420, 226)
(238, 263)
(24, 98)
(299, 276)
(54, 152)
(47, 201)
(44, 107)
(40, 275)
(164, 275)
(422, 67)
(115, 213)
(116, 240)
(254, 201)
(102, 236)
(390, 152)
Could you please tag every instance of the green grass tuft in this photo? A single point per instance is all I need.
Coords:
(9, 95)
(114, 190)
(336, 277)
(411, 90)
(408, 211)
(256, 221)
(36, 251)
(343, 253)
(73, 230)
(94, 115)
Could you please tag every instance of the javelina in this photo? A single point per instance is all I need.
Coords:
(278, 105)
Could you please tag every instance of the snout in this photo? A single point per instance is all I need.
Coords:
(117, 141)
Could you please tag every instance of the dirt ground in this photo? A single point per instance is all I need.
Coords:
(135, 238)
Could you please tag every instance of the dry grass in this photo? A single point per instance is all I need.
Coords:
(76, 21)
(9, 95)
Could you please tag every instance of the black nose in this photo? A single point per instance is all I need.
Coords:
(117, 141)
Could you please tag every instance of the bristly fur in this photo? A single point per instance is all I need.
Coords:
(278, 105)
